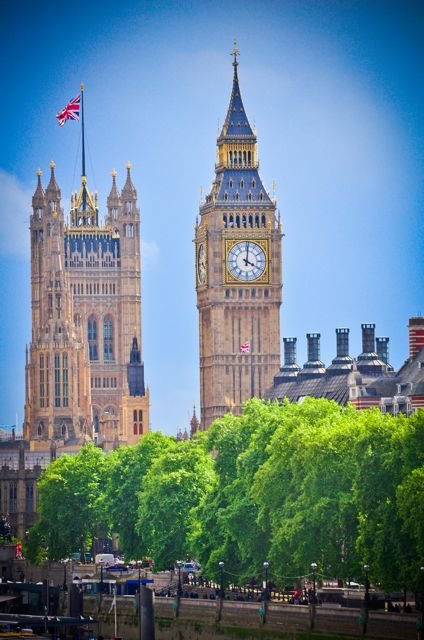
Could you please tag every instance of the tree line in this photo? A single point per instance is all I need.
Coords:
(287, 483)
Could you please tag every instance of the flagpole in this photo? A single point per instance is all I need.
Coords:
(84, 198)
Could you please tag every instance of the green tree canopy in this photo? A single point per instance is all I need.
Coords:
(72, 505)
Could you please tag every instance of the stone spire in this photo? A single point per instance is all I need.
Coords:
(38, 197)
(129, 189)
(113, 197)
(194, 423)
(53, 190)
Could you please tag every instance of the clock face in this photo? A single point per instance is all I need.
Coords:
(201, 264)
(246, 261)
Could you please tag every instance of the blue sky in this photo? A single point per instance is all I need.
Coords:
(335, 90)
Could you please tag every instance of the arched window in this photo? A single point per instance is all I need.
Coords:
(225, 196)
(224, 220)
(243, 221)
(241, 184)
(107, 338)
(231, 222)
(249, 196)
(249, 155)
(64, 432)
(40, 430)
(238, 222)
(41, 380)
(231, 184)
(65, 379)
(263, 221)
(257, 221)
(92, 338)
(57, 379)
(137, 422)
(250, 221)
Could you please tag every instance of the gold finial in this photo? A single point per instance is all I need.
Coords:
(39, 172)
(129, 165)
(274, 184)
(235, 52)
(201, 193)
(82, 86)
(113, 173)
(84, 180)
(52, 164)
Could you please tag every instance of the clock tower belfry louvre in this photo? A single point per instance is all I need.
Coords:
(238, 273)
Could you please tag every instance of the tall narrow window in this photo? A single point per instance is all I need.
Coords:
(41, 380)
(108, 338)
(65, 379)
(13, 498)
(57, 379)
(92, 338)
(47, 380)
(29, 497)
(137, 422)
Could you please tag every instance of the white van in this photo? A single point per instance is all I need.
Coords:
(106, 559)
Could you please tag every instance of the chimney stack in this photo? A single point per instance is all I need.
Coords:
(368, 361)
(383, 349)
(342, 363)
(416, 335)
(288, 372)
(313, 368)
(289, 351)
(368, 338)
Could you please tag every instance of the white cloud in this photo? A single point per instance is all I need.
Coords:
(15, 211)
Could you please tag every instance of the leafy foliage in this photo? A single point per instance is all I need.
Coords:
(287, 483)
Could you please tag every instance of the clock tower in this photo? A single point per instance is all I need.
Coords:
(238, 273)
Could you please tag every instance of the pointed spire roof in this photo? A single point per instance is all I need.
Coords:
(38, 197)
(236, 123)
(129, 188)
(53, 187)
(114, 193)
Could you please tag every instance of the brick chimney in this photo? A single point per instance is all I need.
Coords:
(416, 335)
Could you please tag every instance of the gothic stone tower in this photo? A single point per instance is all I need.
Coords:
(238, 273)
(86, 294)
(57, 400)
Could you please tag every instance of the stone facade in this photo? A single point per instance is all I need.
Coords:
(86, 321)
(238, 274)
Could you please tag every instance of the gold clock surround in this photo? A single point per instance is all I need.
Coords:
(229, 243)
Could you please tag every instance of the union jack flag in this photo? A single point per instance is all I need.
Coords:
(70, 112)
(245, 347)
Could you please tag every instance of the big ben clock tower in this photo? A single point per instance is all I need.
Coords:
(238, 273)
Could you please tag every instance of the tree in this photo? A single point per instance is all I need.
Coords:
(174, 484)
(127, 471)
(71, 505)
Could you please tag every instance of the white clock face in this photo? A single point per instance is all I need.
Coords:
(201, 264)
(246, 261)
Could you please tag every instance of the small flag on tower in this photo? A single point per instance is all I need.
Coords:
(70, 112)
(245, 347)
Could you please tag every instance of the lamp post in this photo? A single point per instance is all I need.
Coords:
(420, 621)
(221, 590)
(366, 598)
(265, 592)
(314, 568)
(101, 576)
(180, 588)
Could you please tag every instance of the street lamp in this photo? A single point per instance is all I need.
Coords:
(367, 585)
(314, 568)
(180, 588)
(265, 593)
(101, 576)
(221, 590)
